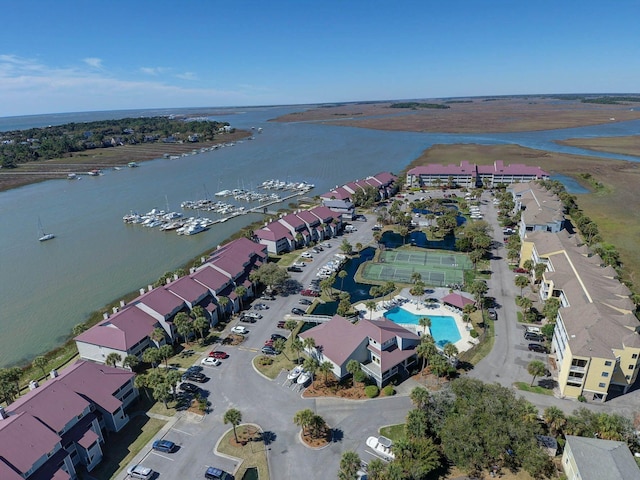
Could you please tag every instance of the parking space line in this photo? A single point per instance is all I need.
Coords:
(181, 431)
(159, 455)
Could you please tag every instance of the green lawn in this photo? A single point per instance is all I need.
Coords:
(524, 386)
(126, 444)
(394, 432)
(253, 453)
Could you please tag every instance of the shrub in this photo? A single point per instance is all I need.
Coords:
(359, 376)
(371, 391)
(474, 333)
(264, 361)
(388, 390)
(581, 398)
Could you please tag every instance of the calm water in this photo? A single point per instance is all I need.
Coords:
(47, 288)
(443, 328)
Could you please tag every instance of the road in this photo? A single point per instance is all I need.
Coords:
(272, 405)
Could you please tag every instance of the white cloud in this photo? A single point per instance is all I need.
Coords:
(154, 70)
(187, 76)
(28, 86)
(93, 62)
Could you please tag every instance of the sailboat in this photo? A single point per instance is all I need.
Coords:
(43, 236)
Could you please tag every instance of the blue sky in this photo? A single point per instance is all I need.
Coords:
(66, 55)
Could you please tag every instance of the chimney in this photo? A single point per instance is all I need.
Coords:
(105, 315)
(175, 276)
(142, 291)
(121, 303)
(3, 413)
(33, 384)
(53, 373)
(167, 280)
(115, 309)
(192, 270)
(149, 288)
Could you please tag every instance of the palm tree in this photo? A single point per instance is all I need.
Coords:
(297, 346)
(241, 292)
(325, 367)
(151, 356)
(165, 352)
(200, 324)
(309, 344)
(341, 275)
(371, 306)
(141, 383)
(279, 346)
(555, 420)
(424, 323)
(223, 302)
(290, 325)
(112, 359)
(376, 470)
(536, 368)
(234, 417)
(426, 349)
(197, 311)
(173, 377)
(353, 367)
(525, 304)
(157, 335)
(521, 281)
(317, 426)
(450, 350)
(416, 277)
(420, 397)
(349, 466)
(302, 418)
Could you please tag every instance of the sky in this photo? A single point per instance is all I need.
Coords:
(78, 55)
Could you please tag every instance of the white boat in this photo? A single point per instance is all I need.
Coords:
(304, 378)
(193, 229)
(382, 446)
(42, 235)
(223, 193)
(295, 373)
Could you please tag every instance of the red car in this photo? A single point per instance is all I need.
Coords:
(280, 324)
(309, 293)
(521, 270)
(219, 354)
(268, 343)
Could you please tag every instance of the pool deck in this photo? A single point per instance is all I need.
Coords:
(424, 310)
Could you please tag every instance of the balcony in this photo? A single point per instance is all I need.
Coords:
(578, 369)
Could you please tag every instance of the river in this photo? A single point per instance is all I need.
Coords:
(47, 288)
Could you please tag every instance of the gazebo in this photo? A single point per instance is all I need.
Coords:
(457, 300)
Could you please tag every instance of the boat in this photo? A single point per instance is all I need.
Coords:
(382, 446)
(223, 193)
(194, 228)
(132, 164)
(43, 237)
(295, 373)
(304, 378)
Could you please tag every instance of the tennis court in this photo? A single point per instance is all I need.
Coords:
(435, 268)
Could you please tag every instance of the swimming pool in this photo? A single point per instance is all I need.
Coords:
(443, 328)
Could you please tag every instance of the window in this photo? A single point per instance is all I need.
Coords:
(607, 363)
(635, 355)
(605, 374)
(602, 385)
(631, 367)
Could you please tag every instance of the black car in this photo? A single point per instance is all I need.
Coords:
(276, 336)
(195, 377)
(297, 311)
(244, 319)
(536, 347)
(294, 269)
(534, 337)
(305, 301)
(189, 387)
(194, 369)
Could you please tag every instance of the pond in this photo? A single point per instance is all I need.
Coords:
(250, 474)
(358, 291)
(571, 185)
(417, 238)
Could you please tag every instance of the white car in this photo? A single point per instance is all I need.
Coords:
(138, 471)
(299, 264)
(210, 362)
(239, 329)
(306, 255)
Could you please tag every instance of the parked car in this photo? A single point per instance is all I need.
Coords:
(297, 311)
(210, 362)
(189, 387)
(276, 336)
(306, 255)
(281, 324)
(219, 354)
(268, 343)
(239, 329)
(165, 446)
(139, 471)
(299, 264)
(521, 270)
(534, 337)
(266, 296)
(194, 369)
(536, 347)
(245, 319)
(309, 293)
(261, 306)
(195, 377)
(269, 351)
(305, 301)
(493, 315)
(376, 228)
(294, 269)
(255, 315)
(213, 473)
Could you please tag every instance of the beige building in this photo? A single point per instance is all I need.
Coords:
(596, 342)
